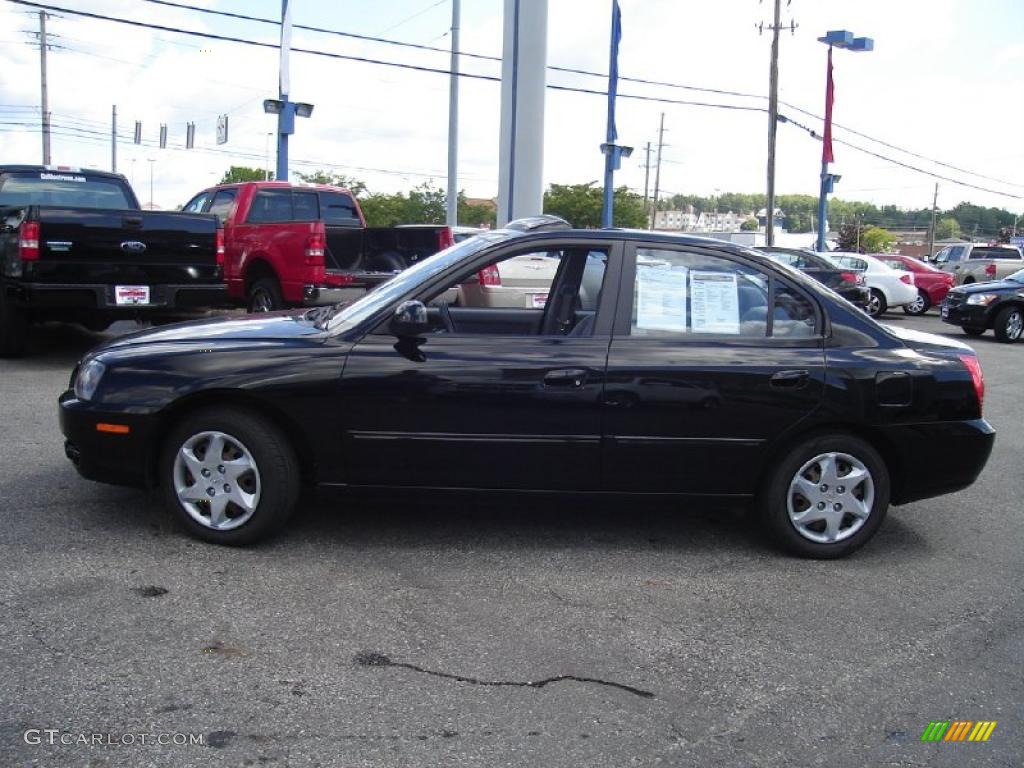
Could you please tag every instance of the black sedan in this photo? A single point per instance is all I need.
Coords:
(998, 305)
(848, 283)
(647, 363)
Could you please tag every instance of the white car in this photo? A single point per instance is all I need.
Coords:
(889, 287)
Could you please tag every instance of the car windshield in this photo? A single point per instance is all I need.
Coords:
(350, 315)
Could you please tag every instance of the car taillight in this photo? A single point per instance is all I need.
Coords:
(990, 270)
(849, 277)
(28, 240)
(490, 275)
(315, 250)
(907, 278)
(220, 247)
(977, 377)
(445, 238)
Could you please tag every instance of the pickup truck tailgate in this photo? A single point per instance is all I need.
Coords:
(87, 245)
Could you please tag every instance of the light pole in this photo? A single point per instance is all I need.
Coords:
(840, 38)
(613, 152)
(151, 161)
(284, 109)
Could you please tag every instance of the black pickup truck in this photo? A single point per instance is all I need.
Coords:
(75, 246)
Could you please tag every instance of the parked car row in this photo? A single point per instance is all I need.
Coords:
(648, 363)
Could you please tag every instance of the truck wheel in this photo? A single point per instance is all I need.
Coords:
(827, 497)
(389, 261)
(228, 476)
(13, 327)
(876, 303)
(921, 304)
(265, 296)
(1009, 324)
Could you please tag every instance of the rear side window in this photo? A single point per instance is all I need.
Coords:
(63, 189)
(271, 205)
(995, 253)
(338, 208)
(694, 294)
(222, 203)
(197, 203)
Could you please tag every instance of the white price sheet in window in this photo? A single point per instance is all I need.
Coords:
(661, 298)
(715, 302)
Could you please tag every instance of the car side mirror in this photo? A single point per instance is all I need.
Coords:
(410, 319)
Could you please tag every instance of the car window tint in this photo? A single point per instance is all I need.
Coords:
(689, 293)
(793, 313)
(338, 208)
(271, 205)
(305, 206)
(222, 203)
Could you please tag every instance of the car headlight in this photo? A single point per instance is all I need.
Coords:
(88, 379)
(983, 299)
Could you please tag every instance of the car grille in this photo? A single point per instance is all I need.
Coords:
(954, 299)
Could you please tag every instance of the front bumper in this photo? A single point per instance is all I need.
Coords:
(958, 312)
(100, 297)
(106, 457)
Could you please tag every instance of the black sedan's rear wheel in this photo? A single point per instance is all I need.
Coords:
(827, 497)
(876, 303)
(228, 476)
(1009, 324)
(921, 304)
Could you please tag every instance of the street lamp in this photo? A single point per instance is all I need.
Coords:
(286, 112)
(840, 38)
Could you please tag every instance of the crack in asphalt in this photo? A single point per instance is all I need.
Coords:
(374, 659)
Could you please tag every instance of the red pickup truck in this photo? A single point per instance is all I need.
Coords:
(303, 245)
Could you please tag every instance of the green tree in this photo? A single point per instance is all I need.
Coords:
(476, 215)
(355, 186)
(750, 225)
(581, 205)
(422, 205)
(877, 240)
(237, 173)
(947, 227)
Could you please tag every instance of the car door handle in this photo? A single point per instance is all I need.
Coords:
(790, 379)
(566, 377)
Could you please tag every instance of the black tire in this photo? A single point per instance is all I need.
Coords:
(876, 303)
(13, 327)
(972, 331)
(1009, 324)
(775, 497)
(276, 479)
(919, 307)
(264, 296)
(388, 261)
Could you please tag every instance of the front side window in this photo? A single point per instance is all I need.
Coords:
(222, 204)
(956, 253)
(271, 205)
(693, 294)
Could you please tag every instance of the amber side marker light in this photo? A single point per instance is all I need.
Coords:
(114, 429)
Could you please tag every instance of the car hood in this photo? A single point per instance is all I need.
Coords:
(994, 285)
(922, 340)
(271, 326)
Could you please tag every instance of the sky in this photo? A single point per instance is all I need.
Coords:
(944, 83)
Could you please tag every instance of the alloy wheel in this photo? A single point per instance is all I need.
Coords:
(1014, 325)
(216, 480)
(874, 306)
(261, 301)
(830, 497)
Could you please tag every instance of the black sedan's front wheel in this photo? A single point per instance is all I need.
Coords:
(228, 476)
(827, 497)
(1009, 324)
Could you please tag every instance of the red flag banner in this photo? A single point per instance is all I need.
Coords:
(830, 93)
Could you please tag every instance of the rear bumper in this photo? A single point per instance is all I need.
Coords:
(119, 459)
(939, 458)
(100, 297)
(858, 296)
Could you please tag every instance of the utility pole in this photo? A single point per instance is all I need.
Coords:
(151, 161)
(453, 123)
(931, 231)
(773, 125)
(647, 174)
(42, 76)
(657, 170)
(113, 139)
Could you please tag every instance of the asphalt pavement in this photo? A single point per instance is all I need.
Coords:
(396, 631)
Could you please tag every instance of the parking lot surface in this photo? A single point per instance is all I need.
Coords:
(397, 631)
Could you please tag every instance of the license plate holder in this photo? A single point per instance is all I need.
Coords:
(131, 295)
